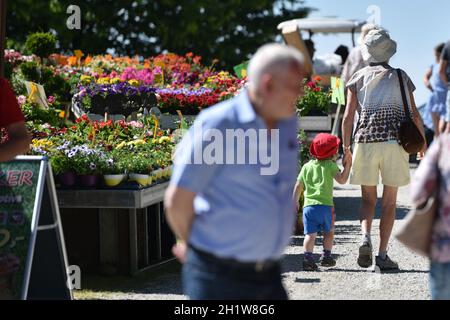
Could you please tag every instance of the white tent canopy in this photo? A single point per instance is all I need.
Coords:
(325, 25)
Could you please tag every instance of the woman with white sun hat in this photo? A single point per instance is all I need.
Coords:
(374, 93)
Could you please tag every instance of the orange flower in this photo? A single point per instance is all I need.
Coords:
(197, 59)
(62, 60)
(87, 60)
(317, 78)
(72, 61)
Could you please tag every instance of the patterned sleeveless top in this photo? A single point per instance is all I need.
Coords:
(380, 104)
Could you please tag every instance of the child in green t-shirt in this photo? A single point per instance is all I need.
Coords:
(316, 182)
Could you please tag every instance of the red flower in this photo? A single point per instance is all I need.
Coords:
(316, 89)
(317, 78)
(311, 84)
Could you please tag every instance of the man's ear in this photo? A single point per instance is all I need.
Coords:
(267, 84)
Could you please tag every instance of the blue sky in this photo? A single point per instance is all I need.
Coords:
(417, 26)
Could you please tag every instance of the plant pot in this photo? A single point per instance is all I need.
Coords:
(142, 179)
(158, 173)
(112, 180)
(67, 179)
(88, 180)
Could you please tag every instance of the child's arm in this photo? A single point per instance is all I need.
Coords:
(298, 190)
(342, 177)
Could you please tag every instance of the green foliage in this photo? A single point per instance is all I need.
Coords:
(30, 71)
(304, 148)
(226, 30)
(41, 44)
(60, 163)
(115, 164)
(32, 112)
(54, 84)
(138, 163)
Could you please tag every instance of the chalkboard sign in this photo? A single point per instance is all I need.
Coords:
(33, 259)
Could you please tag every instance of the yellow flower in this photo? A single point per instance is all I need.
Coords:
(115, 80)
(78, 54)
(41, 143)
(135, 142)
(104, 80)
(85, 79)
(62, 114)
(121, 145)
(133, 82)
(164, 139)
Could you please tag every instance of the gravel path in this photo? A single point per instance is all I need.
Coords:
(344, 281)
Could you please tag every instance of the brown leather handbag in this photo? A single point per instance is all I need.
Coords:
(409, 136)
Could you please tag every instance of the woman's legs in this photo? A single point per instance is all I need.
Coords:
(388, 207)
(367, 209)
(367, 212)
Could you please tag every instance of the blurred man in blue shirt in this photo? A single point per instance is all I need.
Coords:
(229, 198)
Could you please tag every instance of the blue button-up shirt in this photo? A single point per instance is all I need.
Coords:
(240, 213)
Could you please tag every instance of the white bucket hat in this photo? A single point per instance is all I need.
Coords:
(378, 46)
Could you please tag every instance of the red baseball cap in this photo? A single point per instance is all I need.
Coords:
(324, 146)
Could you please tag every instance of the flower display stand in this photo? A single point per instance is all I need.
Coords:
(116, 230)
(315, 123)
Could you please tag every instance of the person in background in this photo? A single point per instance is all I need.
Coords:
(310, 47)
(233, 221)
(425, 113)
(444, 72)
(437, 101)
(433, 178)
(343, 52)
(12, 122)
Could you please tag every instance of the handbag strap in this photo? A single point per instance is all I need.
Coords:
(402, 89)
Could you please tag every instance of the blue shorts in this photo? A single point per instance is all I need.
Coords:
(318, 218)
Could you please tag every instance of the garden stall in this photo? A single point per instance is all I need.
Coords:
(112, 171)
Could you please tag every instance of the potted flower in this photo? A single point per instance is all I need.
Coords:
(62, 169)
(113, 170)
(314, 106)
(140, 166)
(87, 164)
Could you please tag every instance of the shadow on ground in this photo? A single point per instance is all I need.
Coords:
(158, 278)
(347, 208)
(293, 262)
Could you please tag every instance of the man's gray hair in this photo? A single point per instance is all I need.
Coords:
(270, 58)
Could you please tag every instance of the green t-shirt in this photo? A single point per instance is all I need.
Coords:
(317, 177)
